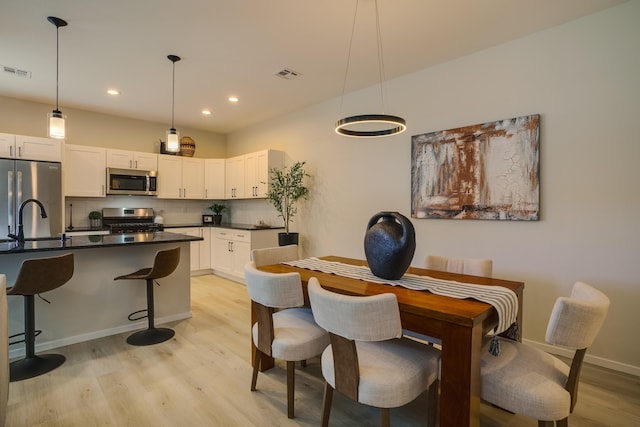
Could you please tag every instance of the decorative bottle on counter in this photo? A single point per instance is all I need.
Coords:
(389, 244)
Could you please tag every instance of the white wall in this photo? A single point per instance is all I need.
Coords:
(102, 130)
(582, 77)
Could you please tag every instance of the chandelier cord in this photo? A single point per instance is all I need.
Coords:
(346, 71)
(381, 74)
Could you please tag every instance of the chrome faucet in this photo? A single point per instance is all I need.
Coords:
(20, 236)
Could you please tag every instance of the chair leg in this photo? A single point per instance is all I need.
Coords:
(384, 417)
(291, 385)
(433, 404)
(256, 368)
(563, 422)
(326, 404)
(545, 423)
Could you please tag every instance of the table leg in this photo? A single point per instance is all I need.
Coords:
(460, 376)
(266, 362)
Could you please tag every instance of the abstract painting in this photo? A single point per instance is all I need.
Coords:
(485, 171)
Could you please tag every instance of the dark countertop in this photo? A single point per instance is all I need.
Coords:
(231, 225)
(94, 241)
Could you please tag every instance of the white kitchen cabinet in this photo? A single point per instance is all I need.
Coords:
(257, 166)
(30, 148)
(234, 178)
(214, 171)
(125, 159)
(180, 177)
(200, 250)
(84, 170)
(231, 249)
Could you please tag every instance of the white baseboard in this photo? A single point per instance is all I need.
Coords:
(19, 351)
(594, 360)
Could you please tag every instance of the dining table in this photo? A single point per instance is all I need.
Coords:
(459, 324)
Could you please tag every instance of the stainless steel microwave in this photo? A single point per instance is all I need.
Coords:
(132, 182)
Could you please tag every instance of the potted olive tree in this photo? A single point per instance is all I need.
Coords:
(217, 210)
(285, 189)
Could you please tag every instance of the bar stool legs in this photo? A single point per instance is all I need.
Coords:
(152, 335)
(32, 365)
(164, 263)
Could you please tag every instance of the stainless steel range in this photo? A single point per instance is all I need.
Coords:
(129, 220)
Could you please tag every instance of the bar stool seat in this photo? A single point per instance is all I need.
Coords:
(164, 264)
(35, 277)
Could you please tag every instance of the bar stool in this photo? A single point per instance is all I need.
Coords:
(164, 264)
(35, 277)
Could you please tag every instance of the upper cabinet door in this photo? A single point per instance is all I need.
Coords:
(145, 161)
(214, 175)
(234, 178)
(84, 171)
(125, 159)
(30, 148)
(258, 166)
(7, 145)
(169, 177)
(192, 178)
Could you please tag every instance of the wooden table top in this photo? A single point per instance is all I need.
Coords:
(465, 312)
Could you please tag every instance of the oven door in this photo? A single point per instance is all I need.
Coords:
(131, 182)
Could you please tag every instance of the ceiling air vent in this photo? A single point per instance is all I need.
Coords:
(16, 71)
(288, 74)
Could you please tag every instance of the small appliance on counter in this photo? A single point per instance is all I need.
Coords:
(130, 220)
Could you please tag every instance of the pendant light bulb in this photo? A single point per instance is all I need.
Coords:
(173, 136)
(56, 118)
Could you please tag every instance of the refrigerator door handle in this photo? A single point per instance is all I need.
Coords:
(19, 188)
(10, 206)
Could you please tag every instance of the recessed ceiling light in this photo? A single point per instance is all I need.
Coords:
(113, 92)
(206, 112)
(233, 99)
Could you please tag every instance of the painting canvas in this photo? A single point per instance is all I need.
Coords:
(484, 171)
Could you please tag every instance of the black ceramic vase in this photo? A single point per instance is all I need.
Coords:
(389, 244)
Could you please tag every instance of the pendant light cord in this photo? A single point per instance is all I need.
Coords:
(57, 62)
(173, 92)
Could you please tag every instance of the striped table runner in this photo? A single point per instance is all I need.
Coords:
(504, 300)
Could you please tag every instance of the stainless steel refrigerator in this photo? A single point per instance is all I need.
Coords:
(21, 180)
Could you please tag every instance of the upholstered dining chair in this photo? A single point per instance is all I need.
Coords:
(471, 266)
(369, 361)
(527, 381)
(285, 330)
(274, 255)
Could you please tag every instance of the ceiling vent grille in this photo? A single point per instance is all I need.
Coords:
(287, 74)
(16, 71)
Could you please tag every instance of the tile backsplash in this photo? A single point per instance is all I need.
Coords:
(174, 212)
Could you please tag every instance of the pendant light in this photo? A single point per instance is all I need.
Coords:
(173, 136)
(56, 118)
(370, 125)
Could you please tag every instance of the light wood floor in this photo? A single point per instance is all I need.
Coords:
(202, 378)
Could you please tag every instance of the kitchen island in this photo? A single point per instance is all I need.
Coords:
(92, 305)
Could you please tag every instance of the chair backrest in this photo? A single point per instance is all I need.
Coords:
(370, 318)
(274, 255)
(576, 320)
(40, 275)
(274, 290)
(165, 263)
(471, 266)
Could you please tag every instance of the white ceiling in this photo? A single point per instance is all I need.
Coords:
(234, 47)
